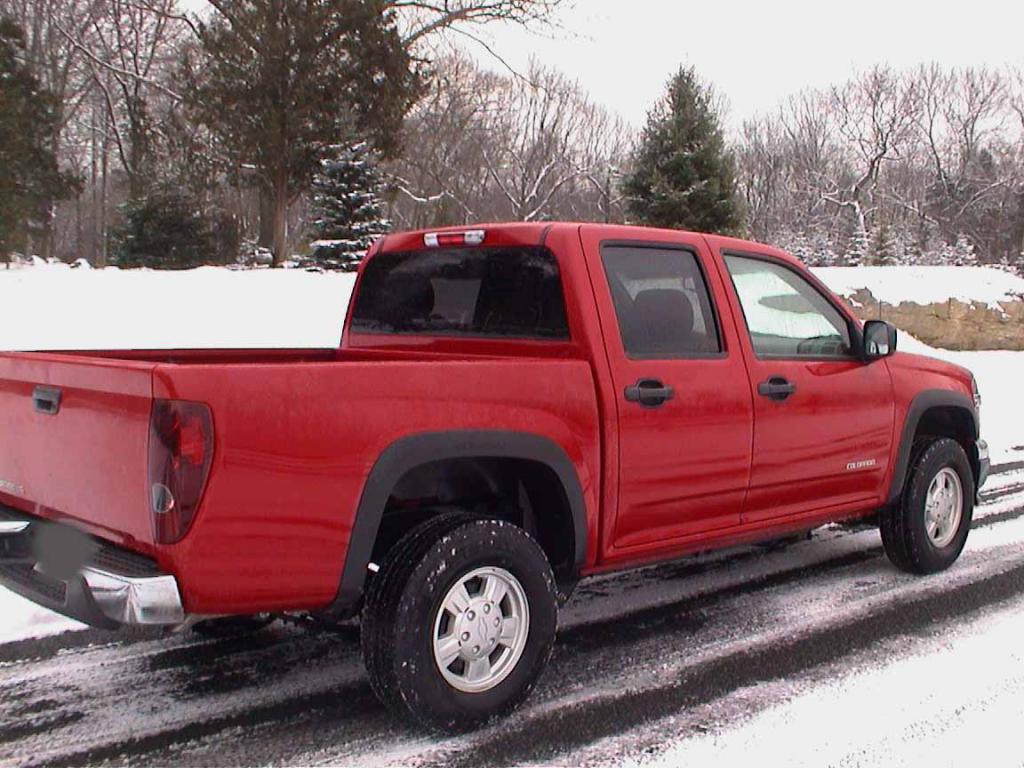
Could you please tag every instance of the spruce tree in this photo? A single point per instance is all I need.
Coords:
(883, 247)
(30, 180)
(165, 229)
(683, 175)
(858, 249)
(347, 208)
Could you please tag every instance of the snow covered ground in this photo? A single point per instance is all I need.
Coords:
(821, 654)
(55, 307)
(926, 285)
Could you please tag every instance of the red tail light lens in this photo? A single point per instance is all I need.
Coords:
(180, 453)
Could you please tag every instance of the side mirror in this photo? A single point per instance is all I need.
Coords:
(879, 340)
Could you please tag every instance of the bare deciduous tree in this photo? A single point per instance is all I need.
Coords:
(503, 147)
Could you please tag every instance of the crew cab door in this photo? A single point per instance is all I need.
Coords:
(823, 419)
(680, 389)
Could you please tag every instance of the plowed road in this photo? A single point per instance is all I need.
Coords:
(645, 662)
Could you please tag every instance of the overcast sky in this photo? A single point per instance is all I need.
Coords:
(756, 53)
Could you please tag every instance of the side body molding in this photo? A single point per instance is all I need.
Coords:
(413, 451)
(929, 398)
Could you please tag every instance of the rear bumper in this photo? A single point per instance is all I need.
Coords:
(113, 588)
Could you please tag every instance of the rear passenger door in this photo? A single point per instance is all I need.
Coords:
(681, 393)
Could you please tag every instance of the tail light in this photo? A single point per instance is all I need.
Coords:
(180, 453)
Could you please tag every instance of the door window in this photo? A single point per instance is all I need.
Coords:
(786, 315)
(661, 302)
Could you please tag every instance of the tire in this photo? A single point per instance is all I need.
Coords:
(233, 626)
(407, 607)
(913, 540)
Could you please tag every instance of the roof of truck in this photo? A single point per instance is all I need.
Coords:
(535, 233)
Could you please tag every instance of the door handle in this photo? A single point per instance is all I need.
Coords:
(650, 393)
(776, 388)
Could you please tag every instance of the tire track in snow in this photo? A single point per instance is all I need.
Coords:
(356, 698)
(558, 733)
(249, 673)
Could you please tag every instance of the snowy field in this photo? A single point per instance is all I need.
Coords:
(820, 654)
(926, 285)
(56, 307)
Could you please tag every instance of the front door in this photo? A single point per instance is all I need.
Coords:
(682, 396)
(823, 419)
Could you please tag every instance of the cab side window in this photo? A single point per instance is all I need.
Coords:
(786, 315)
(661, 302)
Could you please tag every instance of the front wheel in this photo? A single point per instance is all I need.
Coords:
(460, 622)
(927, 531)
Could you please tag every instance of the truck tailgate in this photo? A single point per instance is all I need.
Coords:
(73, 437)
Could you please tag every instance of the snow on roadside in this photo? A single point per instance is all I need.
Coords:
(925, 285)
(999, 375)
(52, 306)
(20, 619)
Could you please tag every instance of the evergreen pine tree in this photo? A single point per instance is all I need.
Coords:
(957, 254)
(683, 176)
(825, 253)
(347, 208)
(798, 244)
(883, 247)
(164, 230)
(30, 180)
(964, 254)
(858, 249)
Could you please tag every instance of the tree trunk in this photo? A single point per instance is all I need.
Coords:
(279, 218)
(266, 236)
(94, 190)
(101, 250)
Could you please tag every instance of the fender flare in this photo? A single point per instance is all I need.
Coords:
(922, 402)
(415, 450)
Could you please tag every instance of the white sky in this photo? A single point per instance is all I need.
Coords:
(757, 53)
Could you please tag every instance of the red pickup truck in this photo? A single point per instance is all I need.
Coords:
(512, 408)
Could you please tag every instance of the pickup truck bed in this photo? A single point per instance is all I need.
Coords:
(296, 435)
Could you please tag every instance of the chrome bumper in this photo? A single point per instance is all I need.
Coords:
(115, 589)
(132, 600)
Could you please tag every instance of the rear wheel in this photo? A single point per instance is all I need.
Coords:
(927, 531)
(460, 622)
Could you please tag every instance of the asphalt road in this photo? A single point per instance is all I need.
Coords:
(695, 645)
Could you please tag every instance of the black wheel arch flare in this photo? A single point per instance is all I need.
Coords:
(412, 451)
(921, 404)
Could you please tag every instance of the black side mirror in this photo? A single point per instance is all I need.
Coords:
(879, 340)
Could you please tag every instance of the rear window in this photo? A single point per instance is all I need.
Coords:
(503, 292)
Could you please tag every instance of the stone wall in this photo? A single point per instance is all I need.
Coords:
(951, 325)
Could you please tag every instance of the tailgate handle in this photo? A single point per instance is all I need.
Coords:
(46, 400)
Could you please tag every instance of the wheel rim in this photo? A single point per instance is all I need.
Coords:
(480, 630)
(944, 507)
